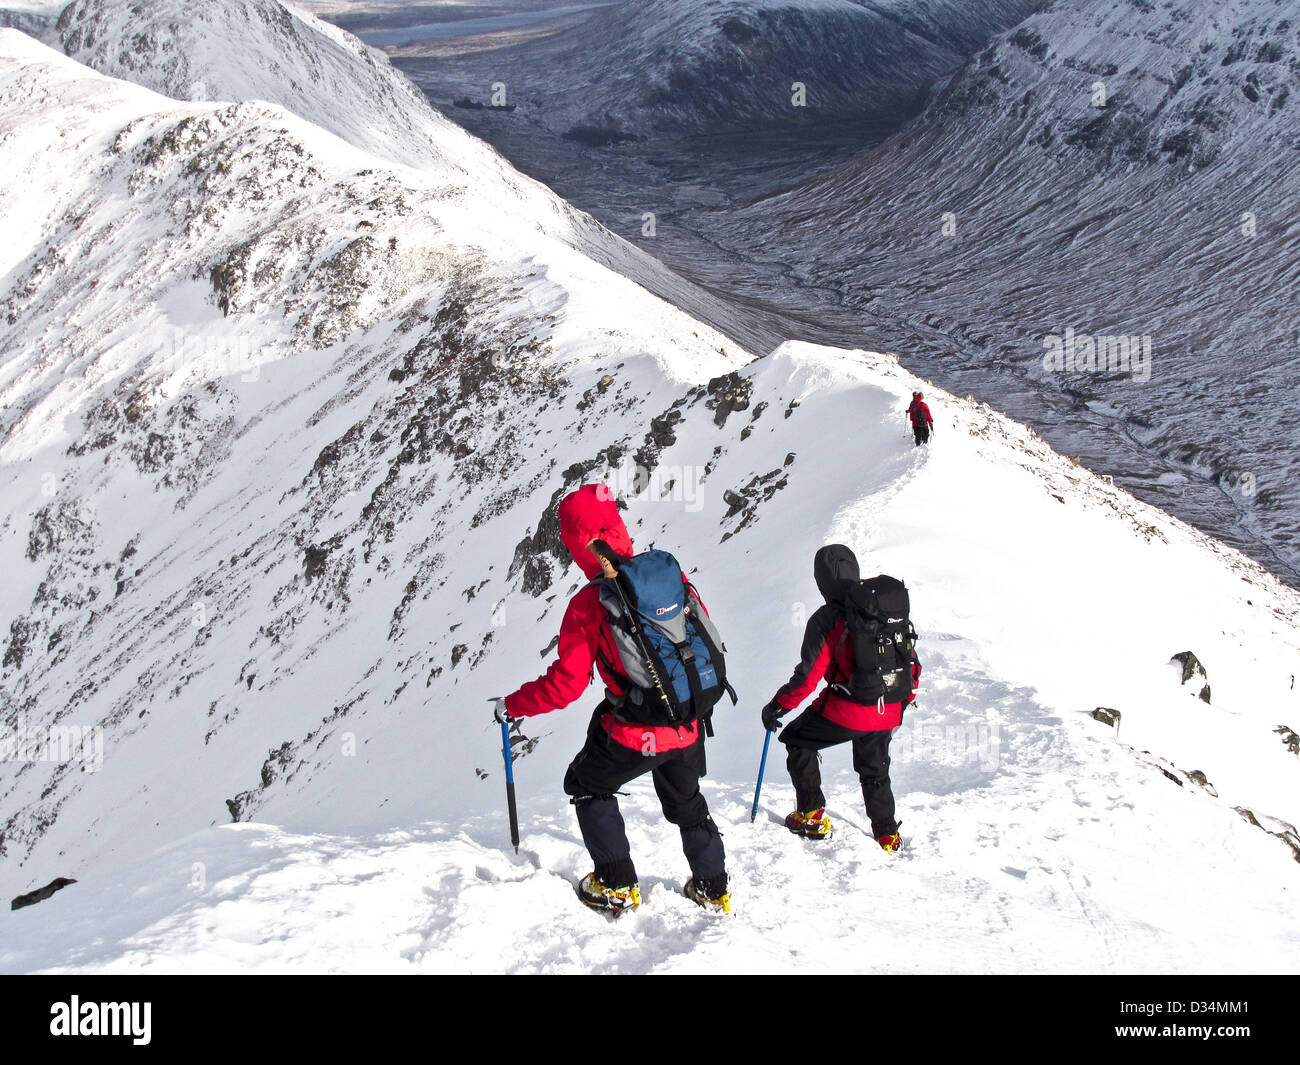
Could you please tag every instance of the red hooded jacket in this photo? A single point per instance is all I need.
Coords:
(918, 411)
(585, 637)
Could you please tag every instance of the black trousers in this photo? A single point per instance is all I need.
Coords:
(921, 431)
(810, 733)
(603, 766)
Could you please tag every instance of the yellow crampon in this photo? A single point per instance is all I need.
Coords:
(722, 904)
(607, 899)
(631, 897)
(815, 824)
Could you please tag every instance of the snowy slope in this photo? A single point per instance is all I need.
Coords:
(1112, 169)
(1039, 842)
(284, 426)
(262, 50)
(213, 284)
(634, 69)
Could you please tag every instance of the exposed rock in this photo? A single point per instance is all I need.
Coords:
(728, 393)
(277, 760)
(57, 527)
(313, 560)
(521, 745)
(41, 894)
(20, 635)
(660, 436)
(238, 804)
(537, 553)
(1290, 738)
(760, 489)
(661, 429)
(1191, 665)
(1107, 716)
(1194, 671)
(1169, 770)
(1285, 832)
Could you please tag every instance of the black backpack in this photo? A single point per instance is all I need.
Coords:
(878, 626)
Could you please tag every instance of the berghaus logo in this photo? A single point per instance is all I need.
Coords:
(667, 609)
(102, 1018)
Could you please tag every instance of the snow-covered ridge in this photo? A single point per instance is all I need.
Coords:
(265, 51)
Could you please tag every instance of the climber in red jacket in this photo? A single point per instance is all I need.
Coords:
(618, 749)
(832, 719)
(922, 423)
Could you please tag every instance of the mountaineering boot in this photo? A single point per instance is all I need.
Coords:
(609, 900)
(891, 843)
(811, 825)
(709, 893)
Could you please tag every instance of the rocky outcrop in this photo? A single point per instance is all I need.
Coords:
(1279, 829)
(1194, 671)
(728, 393)
(41, 894)
(1290, 738)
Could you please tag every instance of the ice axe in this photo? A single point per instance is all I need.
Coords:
(767, 740)
(510, 781)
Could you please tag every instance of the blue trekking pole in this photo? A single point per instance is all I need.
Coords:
(767, 740)
(510, 784)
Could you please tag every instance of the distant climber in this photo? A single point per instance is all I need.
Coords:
(862, 642)
(655, 713)
(922, 423)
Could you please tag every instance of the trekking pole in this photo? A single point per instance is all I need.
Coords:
(767, 739)
(510, 784)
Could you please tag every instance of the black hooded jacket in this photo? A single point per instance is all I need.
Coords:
(834, 568)
(824, 652)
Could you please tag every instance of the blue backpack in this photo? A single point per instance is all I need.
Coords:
(672, 667)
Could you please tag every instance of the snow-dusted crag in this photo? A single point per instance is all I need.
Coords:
(265, 51)
(1114, 169)
(635, 69)
(285, 422)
